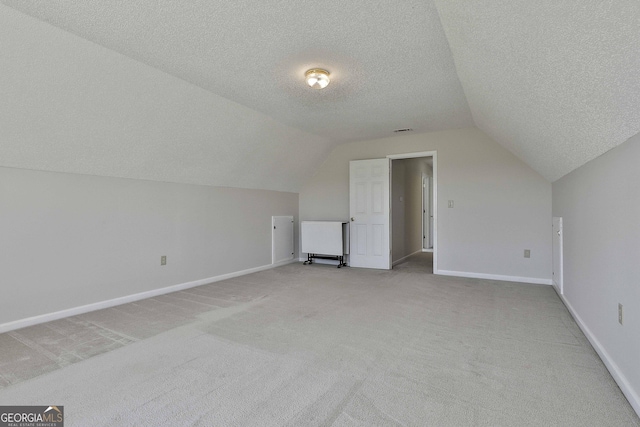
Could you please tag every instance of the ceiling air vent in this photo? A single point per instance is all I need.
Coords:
(403, 130)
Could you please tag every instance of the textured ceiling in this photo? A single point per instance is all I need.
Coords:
(389, 60)
(555, 82)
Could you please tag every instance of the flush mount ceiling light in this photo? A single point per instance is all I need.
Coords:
(317, 78)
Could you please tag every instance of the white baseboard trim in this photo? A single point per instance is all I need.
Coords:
(405, 257)
(30, 321)
(532, 280)
(632, 395)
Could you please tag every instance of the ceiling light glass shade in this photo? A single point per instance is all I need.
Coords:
(317, 78)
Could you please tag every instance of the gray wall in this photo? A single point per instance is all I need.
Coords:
(70, 240)
(600, 206)
(502, 206)
(398, 197)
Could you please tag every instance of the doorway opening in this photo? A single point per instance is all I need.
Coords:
(414, 211)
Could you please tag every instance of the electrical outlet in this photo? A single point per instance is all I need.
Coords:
(163, 260)
(620, 313)
(450, 203)
(527, 253)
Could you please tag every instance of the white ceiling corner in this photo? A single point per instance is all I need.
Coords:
(556, 83)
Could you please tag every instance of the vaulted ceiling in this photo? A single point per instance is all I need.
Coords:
(555, 82)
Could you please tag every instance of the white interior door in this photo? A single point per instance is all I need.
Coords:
(557, 254)
(369, 211)
(281, 238)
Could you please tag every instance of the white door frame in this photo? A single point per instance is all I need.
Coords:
(557, 277)
(434, 156)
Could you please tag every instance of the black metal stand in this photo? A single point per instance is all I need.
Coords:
(339, 258)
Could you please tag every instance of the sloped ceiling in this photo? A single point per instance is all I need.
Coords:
(555, 82)
(390, 61)
(69, 105)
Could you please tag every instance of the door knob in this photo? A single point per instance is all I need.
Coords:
(353, 219)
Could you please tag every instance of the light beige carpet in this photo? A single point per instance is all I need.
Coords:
(315, 345)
